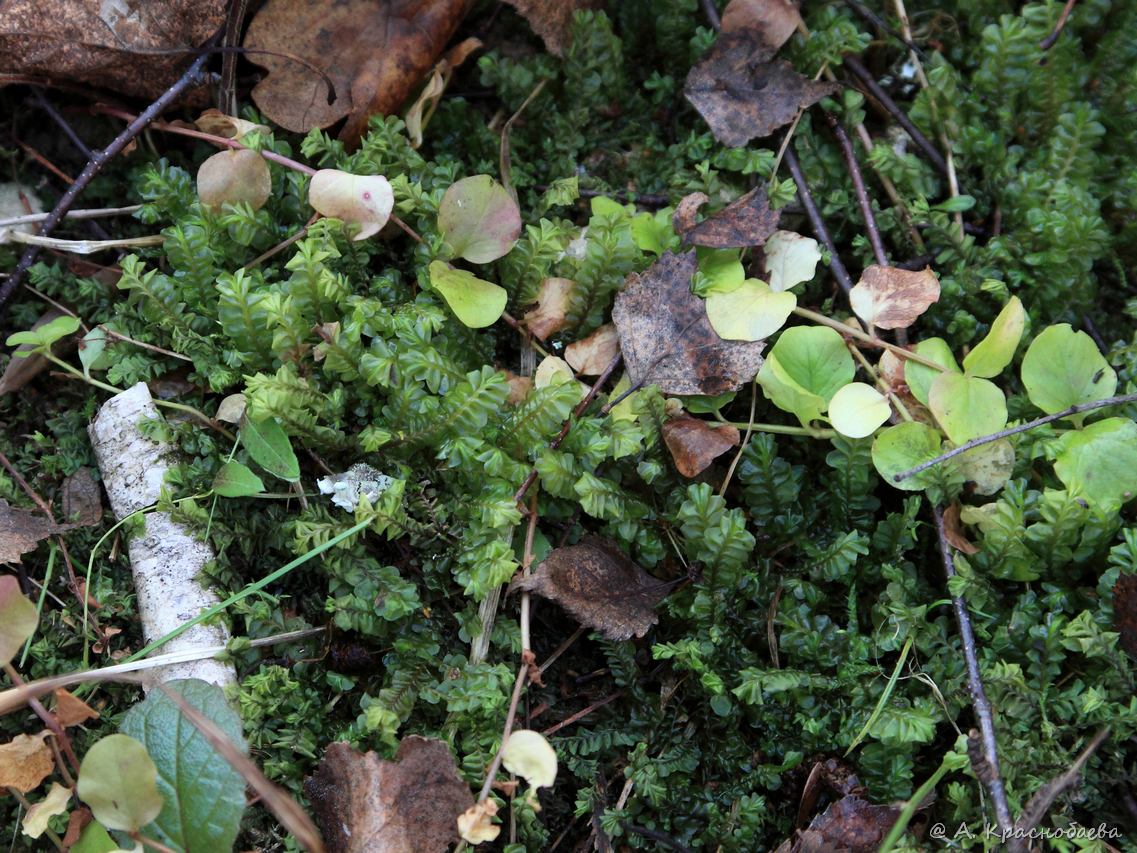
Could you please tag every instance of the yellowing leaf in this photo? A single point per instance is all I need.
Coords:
(552, 371)
(528, 754)
(479, 219)
(892, 298)
(988, 466)
(857, 409)
(18, 618)
(552, 306)
(967, 407)
(475, 302)
(790, 259)
(992, 354)
(363, 200)
(751, 312)
(119, 782)
(35, 821)
(475, 824)
(233, 177)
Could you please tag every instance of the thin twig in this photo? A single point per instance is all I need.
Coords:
(712, 13)
(982, 707)
(861, 335)
(510, 716)
(562, 648)
(815, 220)
(1049, 41)
(83, 213)
(581, 714)
(1004, 433)
(504, 164)
(62, 123)
(846, 145)
(92, 168)
(47, 164)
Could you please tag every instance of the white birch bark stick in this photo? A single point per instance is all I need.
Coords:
(166, 558)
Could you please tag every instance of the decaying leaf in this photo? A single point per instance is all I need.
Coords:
(591, 355)
(552, 370)
(410, 805)
(111, 45)
(231, 409)
(21, 530)
(668, 341)
(374, 51)
(599, 585)
(746, 221)
(35, 821)
(519, 387)
(479, 219)
(82, 498)
(548, 317)
(683, 219)
(363, 200)
(552, 20)
(743, 95)
(892, 298)
(695, 444)
(1125, 612)
(70, 710)
(790, 259)
(232, 177)
(431, 93)
(216, 122)
(776, 20)
(25, 761)
(476, 825)
(850, 825)
(953, 531)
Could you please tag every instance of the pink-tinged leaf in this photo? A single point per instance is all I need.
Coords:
(233, 177)
(363, 200)
(479, 219)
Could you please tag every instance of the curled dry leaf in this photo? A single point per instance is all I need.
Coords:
(410, 805)
(476, 825)
(232, 177)
(70, 710)
(590, 356)
(431, 93)
(35, 821)
(668, 341)
(695, 444)
(363, 200)
(374, 51)
(850, 825)
(548, 317)
(746, 221)
(686, 212)
(892, 298)
(742, 95)
(953, 531)
(231, 409)
(21, 530)
(552, 20)
(599, 585)
(216, 122)
(25, 761)
(1125, 612)
(776, 20)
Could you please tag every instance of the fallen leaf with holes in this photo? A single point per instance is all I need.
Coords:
(552, 20)
(668, 341)
(776, 20)
(743, 95)
(70, 710)
(599, 585)
(746, 221)
(107, 45)
(374, 51)
(850, 825)
(25, 761)
(410, 805)
(362, 200)
(548, 316)
(21, 530)
(234, 177)
(591, 355)
(953, 531)
(1125, 611)
(892, 298)
(695, 444)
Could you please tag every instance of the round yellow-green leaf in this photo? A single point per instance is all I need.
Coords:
(857, 409)
(232, 177)
(919, 377)
(781, 390)
(528, 754)
(1099, 463)
(816, 358)
(899, 448)
(119, 782)
(967, 407)
(479, 219)
(751, 312)
(988, 466)
(475, 302)
(18, 618)
(721, 270)
(790, 259)
(992, 354)
(1063, 368)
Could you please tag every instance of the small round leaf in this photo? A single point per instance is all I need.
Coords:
(901, 447)
(1099, 463)
(1063, 368)
(479, 219)
(475, 302)
(857, 410)
(119, 782)
(967, 407)
(363, 200)
(750, 312)
(232, 177)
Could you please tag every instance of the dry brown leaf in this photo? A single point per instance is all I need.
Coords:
(742, 95)
(431, 93)
(476, 825)
(548, 317)
(591, 355)
(668, 341)
(409, 805)
(82, 499)
(232, 177)
(70, 710)
(25, 761)
(892, 298)
(519, 387)
(374, 51)
(746, 221)
(683, 219)
(216, 122)
(76, 823)
(21, 370)
(599, 585)
(21, 530)
(953, 531)
(777, 20)
(850, 825)
(105, 44)
(1125, 612)
(552, 20)
(694, 444)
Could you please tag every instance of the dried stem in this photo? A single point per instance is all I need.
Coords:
(581, 714)
(1060, 25)
(712, 13)
(982, 707)
(1004, 433)
(84, 213)
(62, 123)
(815, 220)
(846, 145)
(510, 716)
(865, 337)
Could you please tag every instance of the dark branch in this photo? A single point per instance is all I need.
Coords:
(835, 265)
(1060, 25)
(859, 188)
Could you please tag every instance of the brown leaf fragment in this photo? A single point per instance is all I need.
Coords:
(70, 710)
(591, 355)
(25, 761)
(1125, 612)
(108, 45)
(82, 499)
(953, 531)
(21, 530)
(374, 51)
(599, 585)
(695, 444)
(548, 317)
(476, 823)
(686, 212)
(892, 298)
(552, 20)
(850, 825)
(668, 341)
(76, 823)
(519, 387)
(746, 221)
(743, 95)
(410, 805)
(774, 20)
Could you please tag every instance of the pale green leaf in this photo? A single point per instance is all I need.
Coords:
(967, 407)
(899, 448)
(988, 466)
(476, 303)
(92, 350)
(479, 219)
(790, 259)
(48, 333)
(857, 409)
(269, 447)
(750, 312)
(720, 270)
(362, 200)
(1099, 463)
(919, 377)
(1063, 368)
(781, 390)
(18, 618)
(992, 354)
(235, 480)
(118, 780)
